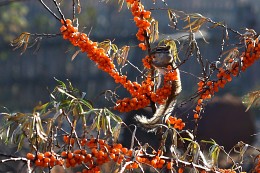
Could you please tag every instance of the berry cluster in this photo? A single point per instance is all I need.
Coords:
(141, 17)
(68, 140)
(226, 171)
(177, 123)
(225, 74)
(96, 152)
(142, 94)
(147, 62)
(45, 160)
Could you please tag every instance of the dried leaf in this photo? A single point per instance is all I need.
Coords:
(173, 19)
(251, 99)
(116, 131)
(121, 3)
(217, 24)
(75, 54)
(196, 24)
(78, 7)
(21, 40)
(49, 126)
(106, 45)
(121, 55)
(124, 54)
(154, 31)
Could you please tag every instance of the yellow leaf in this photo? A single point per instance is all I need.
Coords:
(154, 31)
(196, 24)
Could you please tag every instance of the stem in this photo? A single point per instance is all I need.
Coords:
(59, 10)
(48, 9)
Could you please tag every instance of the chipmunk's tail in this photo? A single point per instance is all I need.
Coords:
(163, 111)
(160, 116)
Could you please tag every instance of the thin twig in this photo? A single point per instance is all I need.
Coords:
(59, 10)
(74, 10)
(48, 9)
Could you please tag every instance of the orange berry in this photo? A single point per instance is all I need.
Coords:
(38, 162)
(81, 158)
(119, 146)
(66, 139)
(40, 156)
(101, 142)
(198, 108)
(196, 116)
(72, 162)
(72, 141)
(59, 162)
(77, 152)
(112, 155)
(30, 156)
(180, 170)
(47, 154)
(147, 14)
(94, 151)
(142, 46)
(53, 158)
(162, 161)
(84, 152)
(153, 162)
(200, 101)
(52, 164)
(101, 153)
(70, 155)
(63, 154)
(169, 165)
(124, 150)
(47, 160)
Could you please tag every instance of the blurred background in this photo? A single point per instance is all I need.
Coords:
(27, 79)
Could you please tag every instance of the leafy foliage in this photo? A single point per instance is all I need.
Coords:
(67, 107)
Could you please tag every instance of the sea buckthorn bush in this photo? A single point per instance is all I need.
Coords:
(69, 132)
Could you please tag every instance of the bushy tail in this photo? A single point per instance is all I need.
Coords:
(163, 111)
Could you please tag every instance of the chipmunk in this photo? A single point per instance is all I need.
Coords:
(161, 58)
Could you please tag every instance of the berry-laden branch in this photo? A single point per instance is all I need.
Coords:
(99, 152)
(231, 68)
(142, 94)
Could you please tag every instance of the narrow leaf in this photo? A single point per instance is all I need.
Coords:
(75, 54)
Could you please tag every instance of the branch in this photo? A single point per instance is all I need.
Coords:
(14, 159)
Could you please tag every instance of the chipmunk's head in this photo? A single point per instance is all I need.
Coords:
(162, 56)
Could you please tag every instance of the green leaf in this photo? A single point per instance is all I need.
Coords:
(60, 82)
(86, 103)
(21, 142)
(113, 116)
(214, 152)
